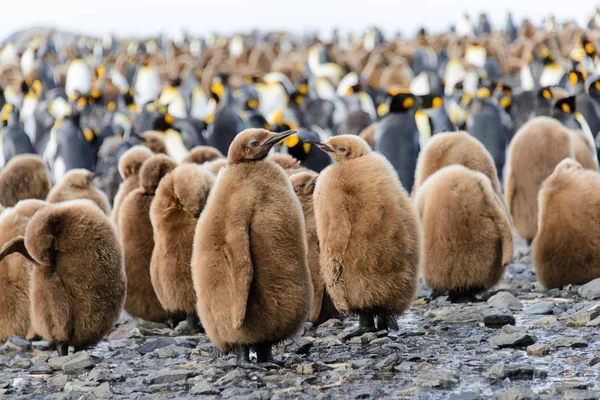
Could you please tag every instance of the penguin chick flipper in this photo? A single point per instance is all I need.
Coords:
(237, 250)
(16, 245)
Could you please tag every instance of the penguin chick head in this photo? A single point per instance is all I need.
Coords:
(344, 147)
(568, 164)
(254, 145)
(153, 170)
(286, 161)
(202, 154)
(191, 185)
(154, 141)
(78, 178)
(131, 161)
(304, 183)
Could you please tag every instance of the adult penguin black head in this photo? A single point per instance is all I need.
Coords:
(402, 101)
(544, 102)
(298, 146)
(594, 89)
(503, 93)
(433, 107)
(588, 46)
(565, 111)
(574, 81)
(14, 140)
(219, 86)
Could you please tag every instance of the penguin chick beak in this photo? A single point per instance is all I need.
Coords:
(138, 137)
(320, 145)
(277, 138)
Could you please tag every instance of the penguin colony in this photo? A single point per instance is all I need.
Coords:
(249, 184)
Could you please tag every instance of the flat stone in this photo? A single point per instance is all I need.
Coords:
(518, 393)
(232, 376)
(41, 368)
(21, 363)
(297, 345)
(577, 394)
(41, 345)
(103, 390)
(583, 317)
(171, 351)
(73, 363)
(541, 308)
(591, 290)
(99, 374)
(455, 315)
(438, 379)
(569, 342)
(545, 321)
(167, 376)
(560, 387)
(153, 345)
(17, 343)
(203, 388)
(388, 363)
(125, 332)
(513, 372)
(538, 350)
(514, 340)
(498, 317)
(306, 369)
(381, 341)
(505, 300)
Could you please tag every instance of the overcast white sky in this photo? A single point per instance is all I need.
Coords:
(140, 17)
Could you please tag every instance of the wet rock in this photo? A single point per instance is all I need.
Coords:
(41, 345)
(125, 332)
(569, 342)
(102, 391)
(545, 321)
(560, 387)
(591, 290)
(167, 376)
(297, 345)
(306, 369)
(233, 376)
(594, 322)
(388, 363)
(78, 386)
(594, 361)
(153, 345)
(454, 315)
(171, 351)
(514, 340)
(17, 343)
(203, 388)
(538, 350)
(513, 372)
(73, 363)
(583, 317)
(438, 379)
(99, 374)
(541, 308)
(466, 396)
(20, 363)
(381, 341)
(505, 300)
(577, 394)
(41, 368)
(498, 317)
(518, 393)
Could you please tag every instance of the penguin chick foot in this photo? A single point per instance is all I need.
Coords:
(193, 324)
(366, 324)
(386, 323)
(62, 349)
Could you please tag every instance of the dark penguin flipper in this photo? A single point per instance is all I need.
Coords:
(366, 324)
(17, 245)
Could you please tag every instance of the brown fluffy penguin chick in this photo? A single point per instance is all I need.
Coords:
(252, 233)
(155, 142)
(584, 149)
(215, 166)
(180, 198)
(290, 164)
(455, 148)
(77, 184)
(202, 154)
(467, 235)
(360, 202)
(15, 273)
(77, 291)
(368, 134)
(534, 152)
(24, 177)
(130, 164)
(137, 237)
(322, 307)
(566, 247)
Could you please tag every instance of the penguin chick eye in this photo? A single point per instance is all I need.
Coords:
(302, 186)
(342, 149)
(255, 143)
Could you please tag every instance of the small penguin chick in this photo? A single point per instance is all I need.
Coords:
(287, 162)
(137, 237)
(467, 235)
(77, 184)
(251, 232)
(567, 245)
(215, 166)
(359, 201)
(72, 302)
(455, 148)
(24, 177)
(202, 154)
(129, 167)
(155, 142)
(15, 273)
(368, 134)
(180, 198)
(322, 308)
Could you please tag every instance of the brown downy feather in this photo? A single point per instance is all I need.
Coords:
(202, 154)
(77, 184)
(24, 177)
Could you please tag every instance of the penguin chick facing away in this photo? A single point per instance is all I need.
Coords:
(287, 162)
(322, 308)
(455, 148)
(24, 177)
(360, 201)
(15, 273)
(77, 292)
(566, 248)
(215, 166)
(77, 184)
(180, 198)
(202, 154)
(467, 235)
(534, 152)
(154, 141)
(129, 168)
(252, 233)
(137, 237)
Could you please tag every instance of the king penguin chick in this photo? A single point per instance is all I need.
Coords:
(77, 184)
(534, 152)
(215, 166)
(287, 162)
(468, 238)
(202, 154)
(566, 247)
(129, 168)
(72, 303)
(360, 201)
(322, 308)
(137, 237)
(251, 231)
(155, 142)
(455, 148)
(24, 177)
(15, 273)
(180, 198)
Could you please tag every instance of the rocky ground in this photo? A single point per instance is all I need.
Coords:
(442, 351)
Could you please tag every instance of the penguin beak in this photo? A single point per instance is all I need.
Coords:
(277, 138)
(138, 137)
(320, 145)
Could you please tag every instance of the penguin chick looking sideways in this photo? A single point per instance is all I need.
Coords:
(249, 262)
(369, 234)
